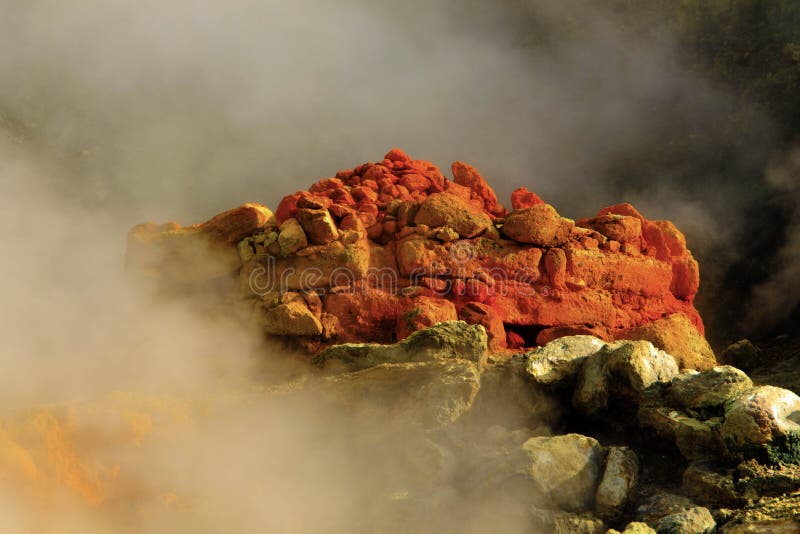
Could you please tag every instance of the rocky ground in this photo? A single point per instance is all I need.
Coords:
(629, 441)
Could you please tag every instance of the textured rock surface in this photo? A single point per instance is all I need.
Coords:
(765, 419)
(697, 520)
(709, 389)
(561, 359)
(676, 335)
(616, 489)
(623, 369)
(710, 485)
(566, 469)
(775, 515)
(429, 394)
(447, 340)
(394, 246)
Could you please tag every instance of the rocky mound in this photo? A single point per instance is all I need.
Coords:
(384, 249)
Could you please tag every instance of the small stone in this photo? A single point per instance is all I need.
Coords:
(521, 199)
(467, 175)
(447, 235)
(539, 225)
(446, 209)
(291, 319)
(318, 225)
(291, 237)
(697, 520)
(622, 228)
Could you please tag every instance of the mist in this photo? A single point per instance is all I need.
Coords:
(115, 113)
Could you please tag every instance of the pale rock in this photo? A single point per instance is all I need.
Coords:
(764, 415)
(561, 359)
(618, 484)
(708, 389)
(697, 520)
(291, 237)
(565, 469)
(291, 319)
(429, 395)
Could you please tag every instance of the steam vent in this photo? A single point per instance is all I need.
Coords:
(388, 248)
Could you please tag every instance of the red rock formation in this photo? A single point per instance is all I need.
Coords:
(393, 246)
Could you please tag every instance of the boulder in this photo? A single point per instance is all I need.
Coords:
(466, 175)
(618, 484)
(429, 395)
(695, 438)
(623, 369)
(592, 391)
(565, 469)
(660, 504)
(233, 225)
(620, 228)
(176, 257)
(561, 359)
(639, 364)
(447, 209)
(187, 255)
(424, 312)
(567, 523)
(763, 422)
(708, 389)
(442, 341)
(290, 319)
(555, 332)
(678, 336)
(539, 225)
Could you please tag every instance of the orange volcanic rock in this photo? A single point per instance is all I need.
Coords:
(539, 225)
(391, 247)
(521, 198)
